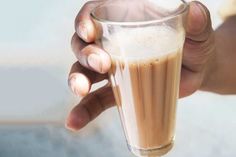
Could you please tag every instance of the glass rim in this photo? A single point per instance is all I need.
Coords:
(141, 23)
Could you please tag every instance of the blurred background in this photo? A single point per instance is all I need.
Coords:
(35, 58)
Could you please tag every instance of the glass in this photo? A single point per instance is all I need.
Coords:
(145, 40)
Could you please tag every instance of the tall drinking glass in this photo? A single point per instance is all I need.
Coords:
(145, 40)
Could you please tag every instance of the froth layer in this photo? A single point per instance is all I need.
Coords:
(143, 43)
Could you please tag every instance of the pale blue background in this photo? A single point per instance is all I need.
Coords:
(35, 58)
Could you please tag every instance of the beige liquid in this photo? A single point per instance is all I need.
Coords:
(146, 91)
(148, 104)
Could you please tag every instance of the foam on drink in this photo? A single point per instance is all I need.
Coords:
(143, 43)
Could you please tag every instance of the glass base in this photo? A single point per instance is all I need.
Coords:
(153, 152)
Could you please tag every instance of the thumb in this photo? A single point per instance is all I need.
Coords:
(198, 22)
(198, 48)
(199, 37)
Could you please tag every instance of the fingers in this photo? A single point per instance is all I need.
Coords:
(81, 79)
(89, 108)
(198, 22)
(84, 26)
(199, 38)
(198, 48)
(91, 56)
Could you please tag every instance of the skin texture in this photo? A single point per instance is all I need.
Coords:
(208, 57)
(222, 77)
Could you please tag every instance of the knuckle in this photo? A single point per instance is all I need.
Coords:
(97, 98)
(74, 39)
(74, 43)
(75, 68)
(77, 44)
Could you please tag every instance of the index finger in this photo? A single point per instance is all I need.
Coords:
(84, 25)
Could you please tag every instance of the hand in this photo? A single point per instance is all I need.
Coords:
(94, 63)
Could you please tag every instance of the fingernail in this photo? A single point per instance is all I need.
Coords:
(77, 119)
(82, 31)
(199, 9)
(203, 10)
(198, 18)
(95, 62)
(73, 123)
(67, 126)
(79, 85)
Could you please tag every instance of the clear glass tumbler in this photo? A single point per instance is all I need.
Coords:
(145, 40)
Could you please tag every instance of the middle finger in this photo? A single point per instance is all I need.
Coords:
(91, 56)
